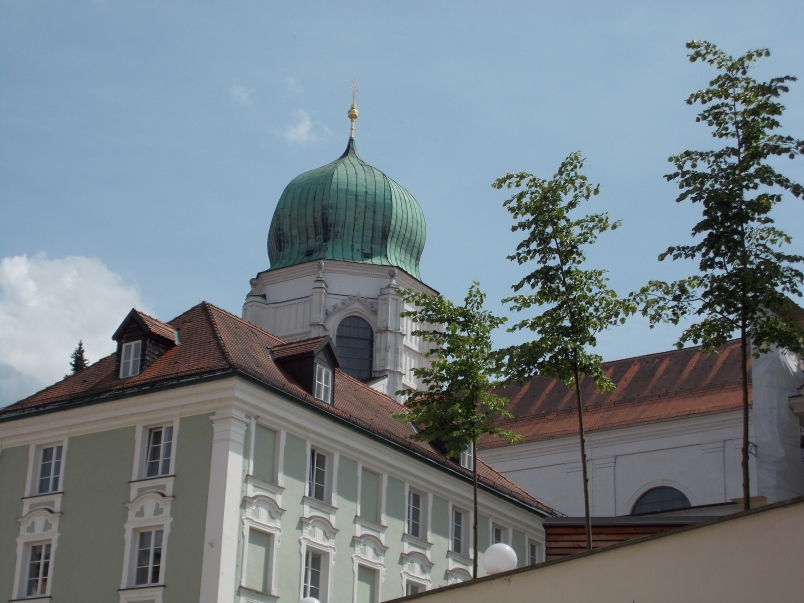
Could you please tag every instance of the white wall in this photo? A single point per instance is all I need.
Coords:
(699, 456)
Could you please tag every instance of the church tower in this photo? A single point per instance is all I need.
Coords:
(343, 241)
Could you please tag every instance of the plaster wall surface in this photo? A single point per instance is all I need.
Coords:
(753, 557)
(13, 468)
(699, 456)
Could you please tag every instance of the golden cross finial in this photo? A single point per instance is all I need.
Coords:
(352, 113)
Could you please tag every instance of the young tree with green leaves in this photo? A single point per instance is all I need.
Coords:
(745, 279)
(456, 405)
(575, 303)
(79, 361)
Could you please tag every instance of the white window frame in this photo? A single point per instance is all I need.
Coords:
(420, 585)
(464, 535)
(329, 466)
(323, 383)
(141, 450)
(318, 535)
(263, 514)
(424, 515)
(539, 547)
(38, 527)
(412, 561)
(505, 533)
(151, 510)
(127, 366)
(35, 452)
(157, 533)
(466, 458)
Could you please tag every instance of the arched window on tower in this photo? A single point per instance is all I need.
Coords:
(354, 341)
(663, 498)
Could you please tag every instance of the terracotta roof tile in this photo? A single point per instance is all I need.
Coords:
(157, 326)
(215, 341)
(296, 348)
(652, 388)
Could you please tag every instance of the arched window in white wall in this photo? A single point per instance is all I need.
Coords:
(354, 341)
(663, 498)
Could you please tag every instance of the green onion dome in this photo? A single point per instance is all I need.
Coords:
(350, 211)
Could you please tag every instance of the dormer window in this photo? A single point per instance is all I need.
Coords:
(323, 383)
(130, 362)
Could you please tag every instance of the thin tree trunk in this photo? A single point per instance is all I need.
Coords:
(583, 457)
(474, 515)
(744, 379)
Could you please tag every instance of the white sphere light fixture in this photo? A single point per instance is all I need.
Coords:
(309, 600)
(499, 558)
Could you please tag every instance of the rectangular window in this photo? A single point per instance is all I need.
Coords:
(258, 575)
(412, 589)
(499, 534)
(130, 362)
(457, 531)
(317, 478)
(38, 570)
(467, 457)
(264, 466)
(323, 383)
(160, 444)
(149, 558)
(414, 513)
(370, 495)
(533, 557)
(49, 470)
(312, 575)
(366, 584)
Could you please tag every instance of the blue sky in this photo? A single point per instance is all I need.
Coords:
(151, 141)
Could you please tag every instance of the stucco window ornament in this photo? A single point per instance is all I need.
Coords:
(351, 302)
(457, 574)
(416, 568)
(148, 512)
(263, 511)
(262, 535)
(319, 531)
(36, 549)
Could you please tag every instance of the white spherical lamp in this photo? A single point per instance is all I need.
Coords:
(499, 558)
(309, 600)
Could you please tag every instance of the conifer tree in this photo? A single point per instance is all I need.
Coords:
(574, 303)
(79, 361)
(744, 278)
(456, 405)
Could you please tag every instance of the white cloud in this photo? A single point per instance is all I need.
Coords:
(46, 306)
(240, 94)
(303, 130)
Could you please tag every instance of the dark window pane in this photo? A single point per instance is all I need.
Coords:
(663, 498)
(354, 342)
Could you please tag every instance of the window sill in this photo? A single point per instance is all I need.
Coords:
(150, 479)
(42, 598)
(415, 542)
(319, 505)
(137, 593)
(372, 525)
(44, 494)
(29, 503)
(139, 486)
(459, 558)
(261, 485)
(267, 596)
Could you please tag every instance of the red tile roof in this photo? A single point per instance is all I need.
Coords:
(296, 348)
(157, 326)
(214, 341)
(652, 388)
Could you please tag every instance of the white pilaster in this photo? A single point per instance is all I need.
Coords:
(223, 507)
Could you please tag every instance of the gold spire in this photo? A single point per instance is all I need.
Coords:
(352, 113)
